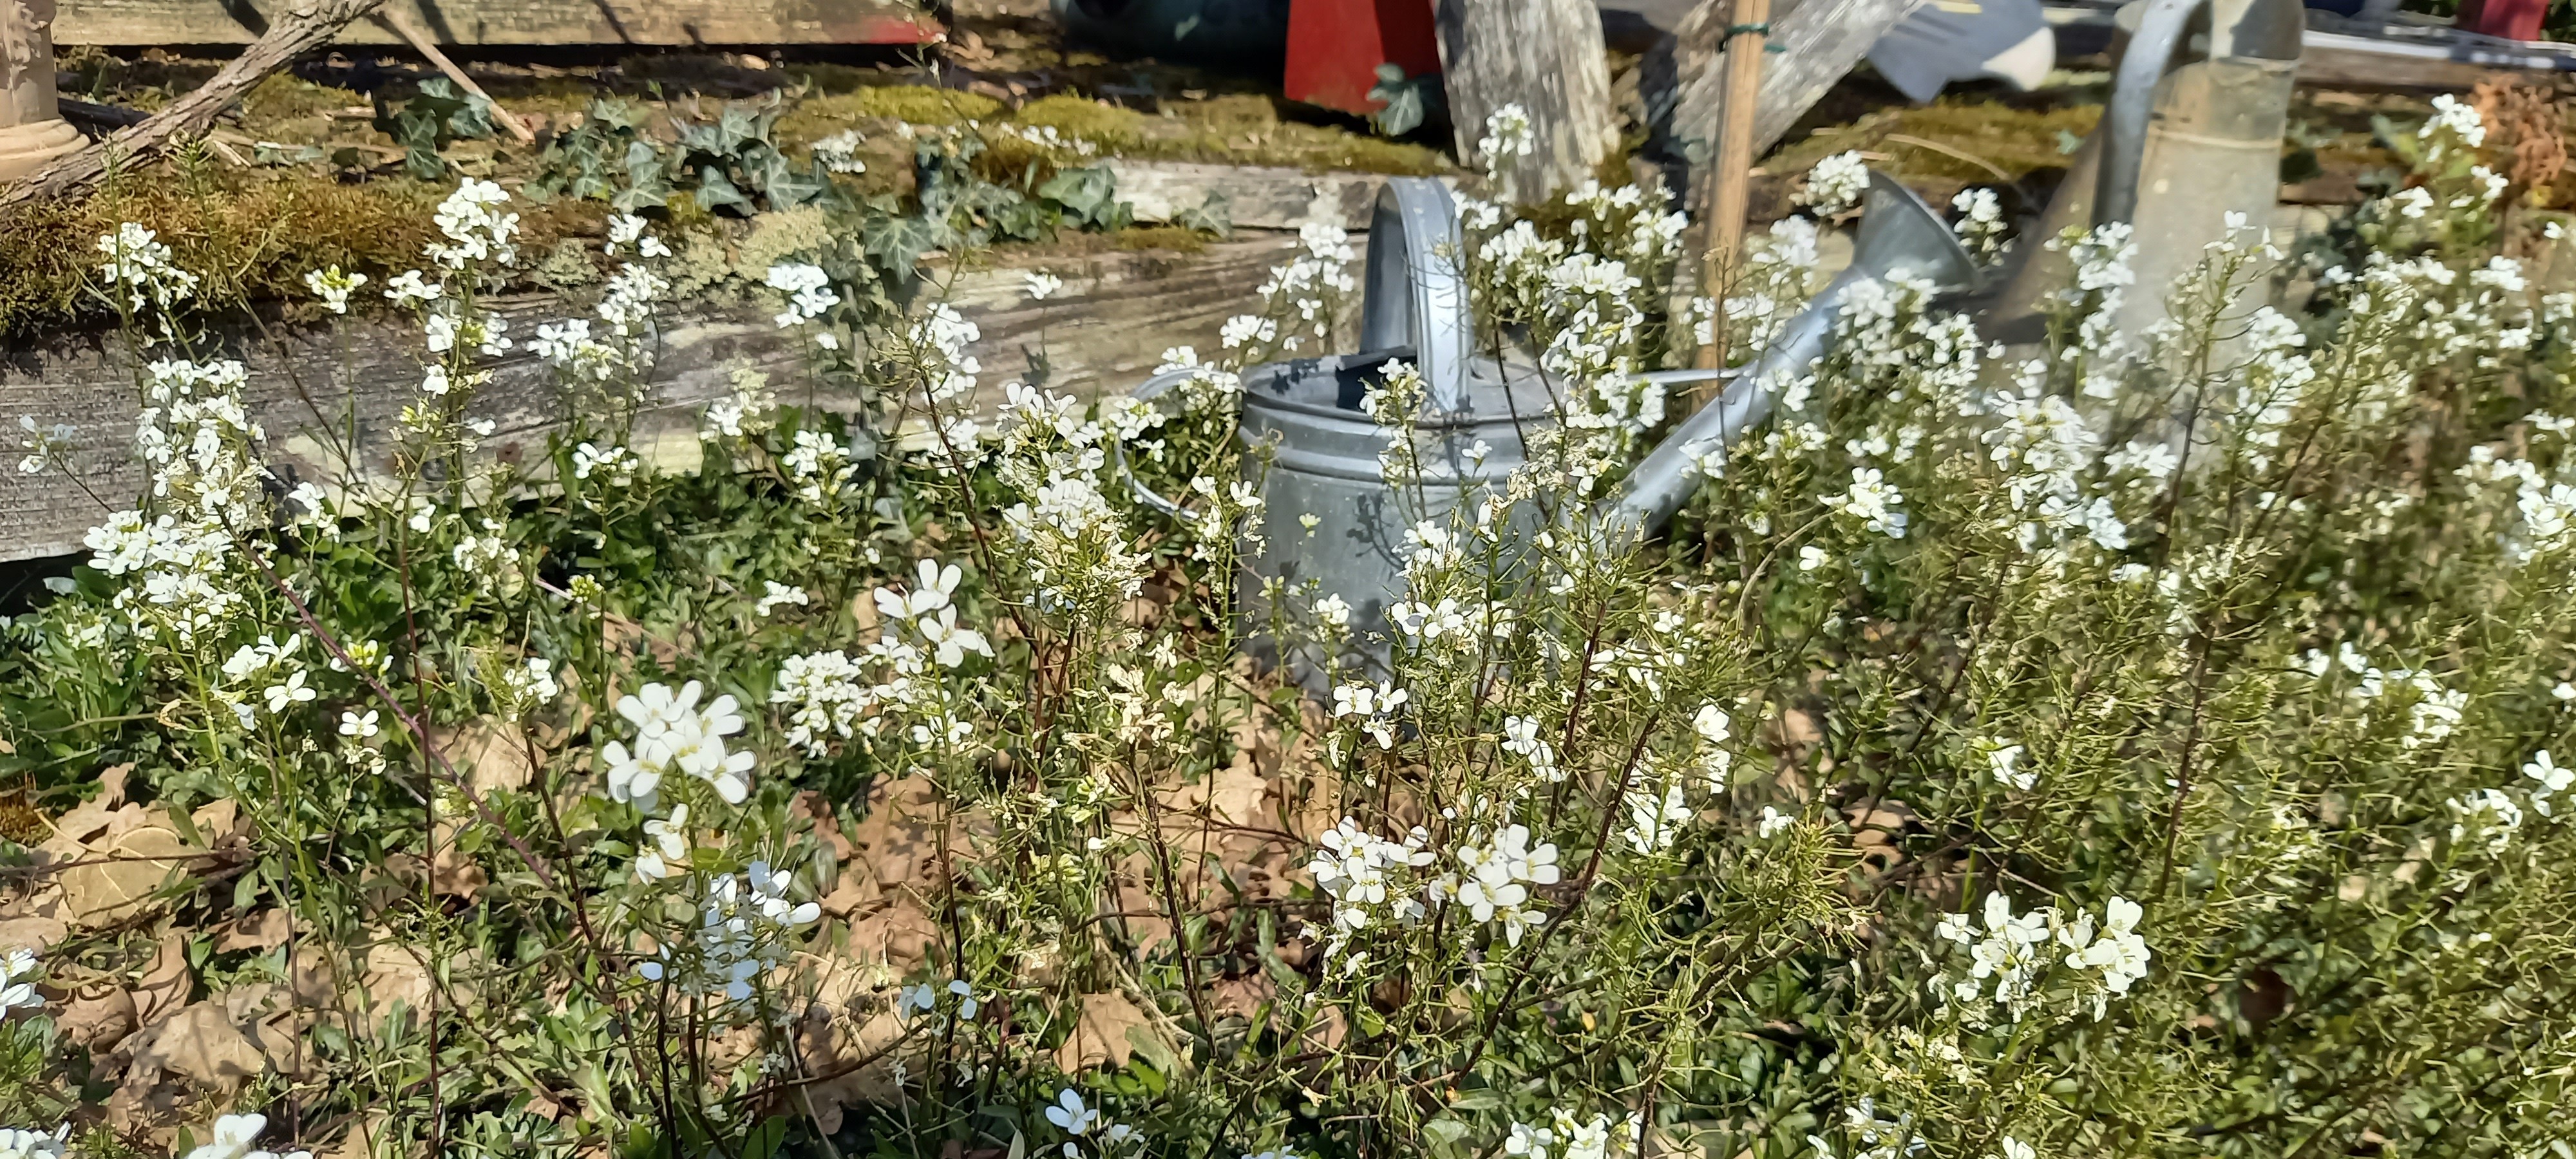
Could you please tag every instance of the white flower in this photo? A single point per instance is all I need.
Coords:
(1043, 285)
(1836, 184)
(292, 692)
(670, 846)
(1654, 820)
(353, 724)
(333, 287)
(22, 1144)
(808, 291)
(950, 643)
(2554, 778)
(1070, 1115)
(15, 990)
(778, 593)
(1772, 822)
(237, 1137)
(930, 592)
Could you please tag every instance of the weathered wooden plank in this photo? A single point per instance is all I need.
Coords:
(475, 23)
(1545, 56)
(1106, 331)
(1818, 42)
(1257, 197)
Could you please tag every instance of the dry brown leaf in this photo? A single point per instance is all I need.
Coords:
(166, 983)
(837, 1045)
(1101, 1033)
(393, 973)
(201, 1042)
(116, 872)
(1241, 997)
(98, 1021)
(37, 920)
(264, 930)
(899, 935)
(491, 752)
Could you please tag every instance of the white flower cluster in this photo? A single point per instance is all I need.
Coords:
(1493, 879)
(333, 287)
(1872, 502)
(830, 694)
(1314, 284)
(197, 440)
(1836, 184)
(818, 465)
(2432, 712)
(808, 289)
(2044, 447)
(475, 228)
(1509, 136)
(2089, 308)
(2491, 815)
(2454, 125)
(672, 732)
(1980, 223)
(743, 930)
(140, 263)
(1368, 877)
(1064, 529)
(1777, 278)
(2015, 954)
(1071, 1116)
(1521, 737)
(1375, 708)
(19, 1143)
(614, 465)
(746, 411)
(1568, 1136)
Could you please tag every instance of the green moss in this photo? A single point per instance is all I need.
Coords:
(251, 238)
(1112, 127)
(1935, 143)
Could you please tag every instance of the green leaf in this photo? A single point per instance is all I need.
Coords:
(765, 1138)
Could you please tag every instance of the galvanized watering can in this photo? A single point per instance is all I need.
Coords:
(2199, 102)
(1323, 450)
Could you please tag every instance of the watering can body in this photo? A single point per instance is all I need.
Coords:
(1319, 451)
(2192, 137)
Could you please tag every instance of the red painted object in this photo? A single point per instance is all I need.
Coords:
(1335, 46)
(2510, 19)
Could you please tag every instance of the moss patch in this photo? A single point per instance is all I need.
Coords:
(251, 237)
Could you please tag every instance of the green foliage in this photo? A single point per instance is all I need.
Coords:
(436, 114)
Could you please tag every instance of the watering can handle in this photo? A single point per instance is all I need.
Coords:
(2151, 48)
(1414, 295)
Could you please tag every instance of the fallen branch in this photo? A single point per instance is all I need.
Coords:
(307, 25)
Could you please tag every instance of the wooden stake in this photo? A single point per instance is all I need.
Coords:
(1730, 170)
(420, 42)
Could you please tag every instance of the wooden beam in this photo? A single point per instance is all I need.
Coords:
(1118, 312)
(1545, 56)
(492, 23)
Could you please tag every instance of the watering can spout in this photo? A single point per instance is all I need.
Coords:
(1900, 237)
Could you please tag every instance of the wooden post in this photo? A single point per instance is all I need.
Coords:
(1545, 56)
(1729, 174)
(32, 130)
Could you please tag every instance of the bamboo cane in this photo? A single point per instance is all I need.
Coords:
(1730, 171)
